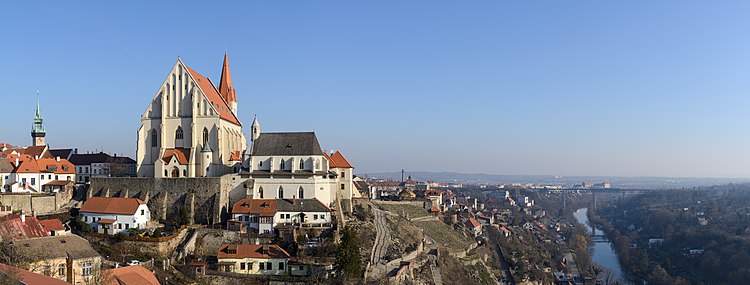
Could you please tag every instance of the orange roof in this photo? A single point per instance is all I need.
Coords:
(214, 97)
(34, 151)
(58, 167)
(235, 156)
(130, 275)
(433, 192)
(52, 225)
(261, 207)
(30, 278)
(226, 90)
(337, 160)
(251, 251)
(434, 209)
(183, 154)
(106, 221)
(59, 182)
(26, 163)
(105, 205)
(471, 222)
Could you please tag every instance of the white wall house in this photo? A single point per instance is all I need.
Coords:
(190, 114)
(266, 216)
(253, 259)
(113, 215)
(28, 174)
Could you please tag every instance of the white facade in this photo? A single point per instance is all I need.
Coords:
(188, 113)
(121, 223)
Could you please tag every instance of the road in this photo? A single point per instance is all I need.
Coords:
(494, 235)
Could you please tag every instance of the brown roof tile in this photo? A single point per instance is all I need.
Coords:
(111, 205)
(261, 207)
(337, 160)
(182, 154)
(214, 97)
(130, 275)
(251, 251)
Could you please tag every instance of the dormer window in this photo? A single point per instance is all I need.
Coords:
(301, 164)
(282, 165)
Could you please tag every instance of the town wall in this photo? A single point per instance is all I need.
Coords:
(40, 204)
(206, 199)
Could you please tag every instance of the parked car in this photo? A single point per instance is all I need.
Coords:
(133, 262)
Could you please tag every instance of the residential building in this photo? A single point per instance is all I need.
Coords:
(70, 258)
(253, 259)
(473, 226)
(21, 226)
(129, 275)
(29, 174)
(101, 165)
(386, 189)
(113, 215)
(190, 128)
(25, 277)
(270, 216)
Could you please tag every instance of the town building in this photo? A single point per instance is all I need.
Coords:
(25, 277)
(21, 226)
(129, 275)
(253, 259)
(112, 215)
(30, 174)
(473, 226)
(269, 217)
(70, 258)
(101, 165)
(190, 128)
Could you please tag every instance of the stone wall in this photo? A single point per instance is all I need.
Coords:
(41, 204)
(206, 199)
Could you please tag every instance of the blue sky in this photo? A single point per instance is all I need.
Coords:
(627, 88)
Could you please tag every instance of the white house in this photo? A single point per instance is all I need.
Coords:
(268, 216)
(114, 215)
(253, 259)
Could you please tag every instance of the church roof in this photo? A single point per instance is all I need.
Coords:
(225, 84)
(235, 156)
(214, 97)
(182, 154)
(298, 143)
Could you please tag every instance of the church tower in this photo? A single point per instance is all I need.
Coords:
(255, 130)
(225, 86)
(37, 129)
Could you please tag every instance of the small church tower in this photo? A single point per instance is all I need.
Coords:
(255, 130)
(37, 129)
(206, 156)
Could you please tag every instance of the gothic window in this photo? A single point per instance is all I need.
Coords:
(166, 173)
(154, 139)
(282, 165)
(281, 193)
(175, 172)
(301, 164)
(301, 192)
(260, 192)
(184, 172)
(205, 136)
(178, 134)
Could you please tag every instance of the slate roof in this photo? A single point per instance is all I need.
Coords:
(300, 205)
(130, 275)
(54, 247)
(293, 143)
(88, 158)
(62, 153)
(251, 251)
(111, 205)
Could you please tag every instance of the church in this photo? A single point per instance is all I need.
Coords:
(191, 127)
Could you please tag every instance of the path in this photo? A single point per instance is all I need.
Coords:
(382, 242)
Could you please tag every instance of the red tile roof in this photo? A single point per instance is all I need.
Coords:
(182, 154)
(225, 84)
(52, 225)
(337, 160)
(433, 192)
(261, 207)
(11, 227)
(130, 275)
(106, 221)
(214, 97)
(235, 156)
(30, 278)
(58, 167)
(59, 183)
(105, 205)
(251, 251)
(472, 223)
(26, 163)
(434, 209)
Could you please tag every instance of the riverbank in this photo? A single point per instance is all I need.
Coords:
(602, 250)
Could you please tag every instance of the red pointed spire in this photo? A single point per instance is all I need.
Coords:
(225, 85)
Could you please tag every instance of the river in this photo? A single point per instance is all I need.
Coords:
(602, 252)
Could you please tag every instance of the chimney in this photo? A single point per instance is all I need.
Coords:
(75, 151)
(33, 214)
(57, 158)
(23, 217)
(36, 157)
(402, 175)
(16, 161)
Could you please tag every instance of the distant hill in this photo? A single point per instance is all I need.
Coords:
(616, 181)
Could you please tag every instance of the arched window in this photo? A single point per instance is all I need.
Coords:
(301, 192)
(260, 163)
(178, 133)
(205, 136)
(301, 164)
(260, 192)
(184, 172)
(175, 172)
(154, 139)
(282, 164)
(166, 173)
(281, 193)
